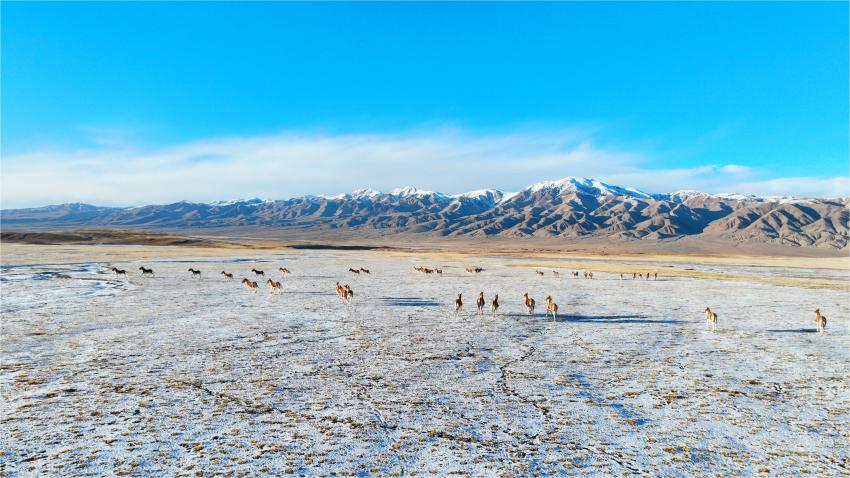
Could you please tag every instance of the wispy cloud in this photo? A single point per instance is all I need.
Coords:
(736, 169)
(293, 164)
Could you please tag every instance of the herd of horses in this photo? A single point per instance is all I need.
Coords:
(345, 292)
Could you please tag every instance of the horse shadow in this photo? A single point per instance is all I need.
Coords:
(409, 301)
(797, 331)
(616, 319)
(603, 319)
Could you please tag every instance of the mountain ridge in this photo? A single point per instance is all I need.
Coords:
(569, 207)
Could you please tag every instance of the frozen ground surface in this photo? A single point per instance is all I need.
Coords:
(177, 376)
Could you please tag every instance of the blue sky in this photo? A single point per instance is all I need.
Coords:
(283, 99)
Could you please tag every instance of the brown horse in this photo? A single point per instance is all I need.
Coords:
(529, 304)
(552, 308)
(274, 286)
(458, 303)
(480, 303)
(494, 304)
(251, 284)
(711, 318)
(227, 274)
(820, 321)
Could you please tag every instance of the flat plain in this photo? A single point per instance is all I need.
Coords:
(172, 375)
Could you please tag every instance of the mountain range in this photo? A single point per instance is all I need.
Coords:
(568, 208)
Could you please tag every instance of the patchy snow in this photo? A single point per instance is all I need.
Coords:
(490, 197)
(357, 194)
(508, 196)
(171, 375)
(787, 200)
(685, 194)
(244, 202)
(737, 197)
(365, 193)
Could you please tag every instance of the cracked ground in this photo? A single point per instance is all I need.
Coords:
(170, 375)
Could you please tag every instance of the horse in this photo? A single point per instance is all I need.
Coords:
(274, 286)
(494, 304)
(551, 307)
(529, 304)
(820, 321)
(480, 303)
(711, 318)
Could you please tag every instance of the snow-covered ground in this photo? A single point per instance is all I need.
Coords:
(173, 375)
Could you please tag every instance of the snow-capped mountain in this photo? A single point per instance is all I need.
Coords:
(587, 186)
(569, 207)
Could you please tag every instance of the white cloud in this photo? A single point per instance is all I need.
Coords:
(736, 169)
(829, 187)
(287, 165)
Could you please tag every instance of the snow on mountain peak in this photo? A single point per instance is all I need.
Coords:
(247, 202)
(737, 196)
(587, 185)
(493, 197)
(365, 193)
(408, 191)
(481, 194)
